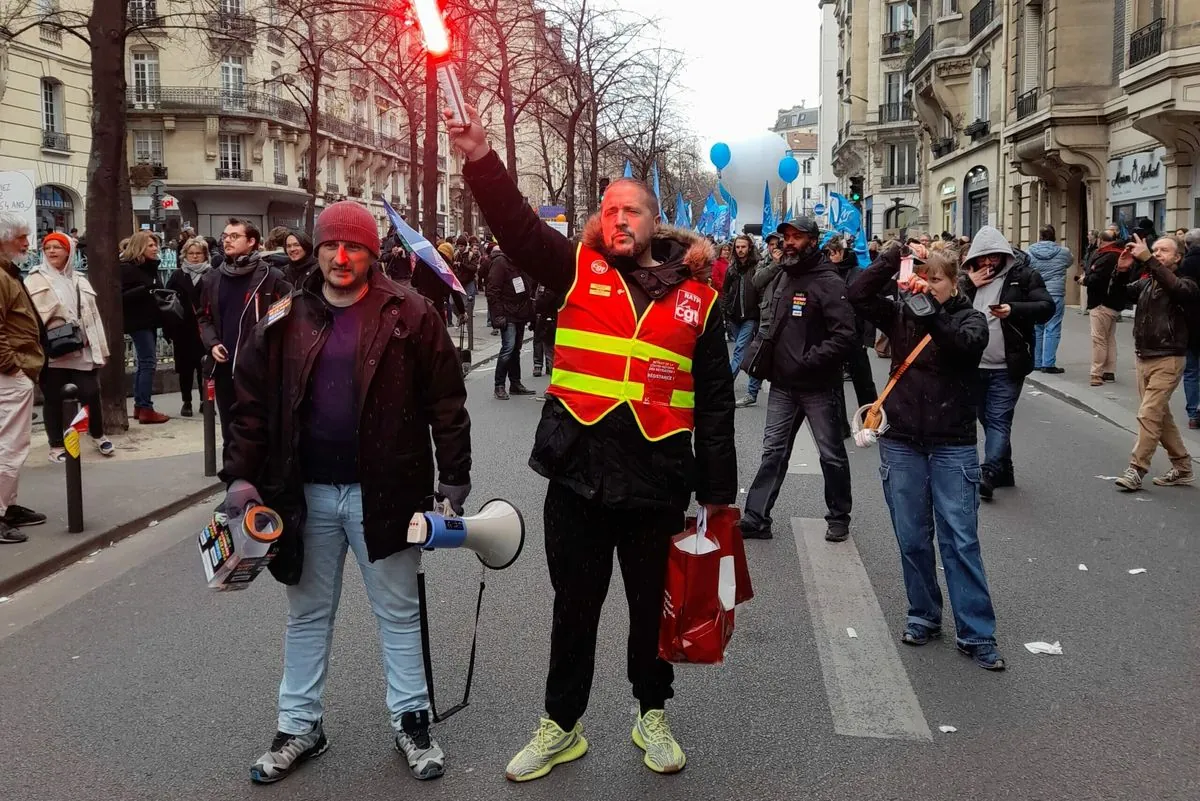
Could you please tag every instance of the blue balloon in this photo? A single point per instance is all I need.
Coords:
(789, 169)
(720, 155)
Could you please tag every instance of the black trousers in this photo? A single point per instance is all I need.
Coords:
(544, 329)
(52, 381)
(580, 538)
(187, 376)
(226, 395)
(858, 364)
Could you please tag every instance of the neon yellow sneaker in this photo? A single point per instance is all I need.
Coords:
(653, 735)
(550, 746)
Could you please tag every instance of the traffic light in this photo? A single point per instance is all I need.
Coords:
(856, 190)
(603, 188)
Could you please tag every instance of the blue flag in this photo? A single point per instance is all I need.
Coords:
(769, 223)
(683, 212)
(425, 251)
(628, 169)
(657, 191)
(706, 225)
(845, 218)
(729, 200)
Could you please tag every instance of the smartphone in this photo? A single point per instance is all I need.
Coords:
(906, 269)
(995, 306)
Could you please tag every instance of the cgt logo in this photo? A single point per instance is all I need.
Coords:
(687, 308)
(599, 267)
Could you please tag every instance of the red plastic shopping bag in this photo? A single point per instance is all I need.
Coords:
(707, 577)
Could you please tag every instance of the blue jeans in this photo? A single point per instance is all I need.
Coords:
(508, 363)
(335, 523)
(144, 344)
(996, 405)
(743, 335)
(1046, 336)
(936, 489)
(1191, 383)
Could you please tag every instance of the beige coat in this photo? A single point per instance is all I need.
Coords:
(55, 313)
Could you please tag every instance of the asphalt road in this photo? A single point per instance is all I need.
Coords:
(125, 679)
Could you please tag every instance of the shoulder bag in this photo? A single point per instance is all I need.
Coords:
(67, 338)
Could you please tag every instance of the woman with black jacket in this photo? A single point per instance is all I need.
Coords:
(139, 277)
(928, 461)
(185, 339)
(299, 249)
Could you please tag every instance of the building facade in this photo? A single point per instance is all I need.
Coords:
(827, 129)
(878, 140)
(800, 127)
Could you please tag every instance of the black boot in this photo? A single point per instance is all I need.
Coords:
(520, 389)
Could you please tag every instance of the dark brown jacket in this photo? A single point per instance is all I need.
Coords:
(411, 385)
(21, 330)
(1164, 300)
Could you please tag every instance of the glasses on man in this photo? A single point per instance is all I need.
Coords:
(231, 237)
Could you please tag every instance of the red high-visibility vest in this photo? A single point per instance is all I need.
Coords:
(604, 355)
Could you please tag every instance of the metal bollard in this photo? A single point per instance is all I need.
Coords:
(74, 467)
(209, 409)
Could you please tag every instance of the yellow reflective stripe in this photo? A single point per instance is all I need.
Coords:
(618, 346)
(614, 390)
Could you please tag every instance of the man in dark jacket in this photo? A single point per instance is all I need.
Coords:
(1161, 335)
(545, 307)
(808, 326)
(1190, 268)
(1104, 307)
(739, 301)
(233, 298)
(510, 297)
(618, 453)
(340, 390)
(858, 364)
(1013, 298)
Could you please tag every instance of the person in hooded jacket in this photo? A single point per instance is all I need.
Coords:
(638, 417)
(1104, 306)
(928, 461)
(999, 283)
(807, 327)
(1051, 261)
(299, 249)
(739, 301)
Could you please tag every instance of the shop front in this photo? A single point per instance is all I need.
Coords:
(1137, 188)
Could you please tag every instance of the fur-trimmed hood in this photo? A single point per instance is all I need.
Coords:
(677, 248)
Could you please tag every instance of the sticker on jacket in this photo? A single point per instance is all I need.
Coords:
(687, 308)
(799, 301)
(279, 309)
(660, 382)
(603, 290)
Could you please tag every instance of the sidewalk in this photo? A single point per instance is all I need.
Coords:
(1116, 402)
(156, 471)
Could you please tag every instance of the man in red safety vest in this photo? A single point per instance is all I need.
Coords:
(640, 365)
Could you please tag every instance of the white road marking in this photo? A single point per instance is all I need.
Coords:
(806, 459)
(868, 689)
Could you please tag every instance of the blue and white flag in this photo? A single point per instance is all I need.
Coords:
(628, 169)
(683, 212)
(845, 218)
(657, 191)
(730, 200)
(769, 223)
(424, 251)
(705, 226)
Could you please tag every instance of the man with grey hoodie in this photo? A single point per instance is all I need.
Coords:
(1012, 296)
(1051, 261)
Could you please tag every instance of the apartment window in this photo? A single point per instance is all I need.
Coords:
(233, 82)
(893, 87)
(981, 94)
(949, 7)
(806, 167)
(899, 17)
(143, 11)
(233, 7)
(302, 165)
(947, 128)
(359, 111)
(145, 76)
(331, 171)
(1118, 62)
(148, 147)
(902, 163)
(280, 166)
(52, 105)
(808, 193)
(1031, 48)
(230, 152)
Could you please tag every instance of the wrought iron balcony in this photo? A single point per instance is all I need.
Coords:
(895, 42)
(224, 174)
(1027, 103)
(896, 112)
(354, 190)
(281, 178)
(982, 13)
(944, 146)
(1146, 42)
(237, 26)
(150, 169)
(977, 129)
(54, 140)
(332, 189)
(892, 181)
(921, 49)
(50, 34)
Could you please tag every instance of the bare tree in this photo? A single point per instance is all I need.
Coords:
(648, 123)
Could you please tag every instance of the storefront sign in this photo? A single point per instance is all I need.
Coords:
(1137, 176)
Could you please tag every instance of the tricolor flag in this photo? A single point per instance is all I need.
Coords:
(80, 423)
(423, 250)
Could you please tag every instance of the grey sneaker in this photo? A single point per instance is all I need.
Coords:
(745, 400)
(1174, 478)
(1130, 480)
(288, 752)
(425, 757)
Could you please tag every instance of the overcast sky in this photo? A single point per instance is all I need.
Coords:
(746, 59)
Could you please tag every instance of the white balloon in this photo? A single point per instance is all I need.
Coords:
(754, 160)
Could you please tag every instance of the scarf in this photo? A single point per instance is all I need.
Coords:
(195, 271)
(242, 265)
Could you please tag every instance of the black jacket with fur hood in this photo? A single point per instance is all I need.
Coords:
(611, 461)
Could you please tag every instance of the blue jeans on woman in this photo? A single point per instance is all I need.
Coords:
(1047, 335)
(145, 343)
(935, 490)
(743, 335)
(333, 525)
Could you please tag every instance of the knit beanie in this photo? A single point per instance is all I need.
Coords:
(447, 251)
(60, 238)
(347, 221)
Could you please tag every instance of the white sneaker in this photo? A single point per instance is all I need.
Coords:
(1130, 480)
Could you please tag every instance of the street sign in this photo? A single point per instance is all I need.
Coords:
(819, 209)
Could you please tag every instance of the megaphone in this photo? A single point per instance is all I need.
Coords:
(496, 533)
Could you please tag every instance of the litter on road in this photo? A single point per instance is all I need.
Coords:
(1083, 568)
(946, 729)
(852, 634)
(1053, 648)
(1137, 570)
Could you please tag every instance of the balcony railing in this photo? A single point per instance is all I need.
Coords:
(50, 34)
(921, 49)
(281, 178)
(158, 171)
(978, 129)
(235, 25)
(894, 43)
(54, 140)
(896, 112)
(1146, 42)
(1027, 103)
(944, 146)
(396, 201)
(332, 189)
(892, 181)
(982, 13)
(224, 174)
(274, 37)
(354, 190)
